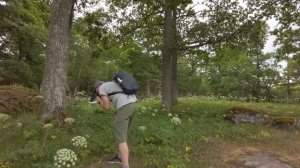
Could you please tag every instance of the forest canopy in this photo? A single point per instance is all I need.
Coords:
(219, 46)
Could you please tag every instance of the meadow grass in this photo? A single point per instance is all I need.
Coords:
(192, 134)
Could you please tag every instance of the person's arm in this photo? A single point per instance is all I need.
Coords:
(104, 102)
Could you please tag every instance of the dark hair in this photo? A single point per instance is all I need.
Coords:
(94, 93)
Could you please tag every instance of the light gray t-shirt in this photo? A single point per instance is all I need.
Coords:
(119, 99)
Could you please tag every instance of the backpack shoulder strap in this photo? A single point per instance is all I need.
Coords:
(113, 93)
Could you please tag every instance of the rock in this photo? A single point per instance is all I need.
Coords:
(285, 122)
(260, 160)
(240, 114)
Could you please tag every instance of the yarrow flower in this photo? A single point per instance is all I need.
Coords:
(4, 117)
(143, 109)
(69, 120)
(48, 126)
(65, 158)
(19, 125)
(79, 141)
(142, 128)
(176, 120)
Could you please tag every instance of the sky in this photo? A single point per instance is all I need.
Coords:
(269, 47)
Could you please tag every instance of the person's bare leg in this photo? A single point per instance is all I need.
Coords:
(124, 153)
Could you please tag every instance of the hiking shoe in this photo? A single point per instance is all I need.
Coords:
(115, 159)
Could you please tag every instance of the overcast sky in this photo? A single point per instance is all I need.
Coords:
(269, 47)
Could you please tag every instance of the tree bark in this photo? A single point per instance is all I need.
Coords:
(258, 75)
(174, 88)
(167, 57)
(148, 88)
(55, 76)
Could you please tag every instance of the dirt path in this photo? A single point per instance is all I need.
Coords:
(249, 157)
(260, 160)
(254, 160)
(103, 163)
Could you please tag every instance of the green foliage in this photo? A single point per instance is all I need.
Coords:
(128, 36)
(15, 71)
(23, 35)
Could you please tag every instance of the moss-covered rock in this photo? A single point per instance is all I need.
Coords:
(284, 121)
(241, 114)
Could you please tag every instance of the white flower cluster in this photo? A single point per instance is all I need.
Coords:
(143, 109)
(48, 126)
(142, 128)
(19, 125)
(69, 120)
(176, 120)
(65, 158)
(79, 141)
(4, 117)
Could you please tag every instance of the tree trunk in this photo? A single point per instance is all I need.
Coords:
(167, 57)
(148, 88)
(55, 76)
(258, 75)
(174, 90)
(288, 86)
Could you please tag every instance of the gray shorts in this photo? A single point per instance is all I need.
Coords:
(123, 122)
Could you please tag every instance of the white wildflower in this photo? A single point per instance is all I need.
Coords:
(143, 109)
(48, 126)
(79, 141)
(176, 120)
(142, 128)
(4, 117)
(19, 125)
(69, 120)
(170, 115)
(65, 157)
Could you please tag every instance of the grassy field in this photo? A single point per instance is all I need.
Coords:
(193, 134)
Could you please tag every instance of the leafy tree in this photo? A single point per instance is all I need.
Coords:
(23, 32)
(286, 12)
(291, 76)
